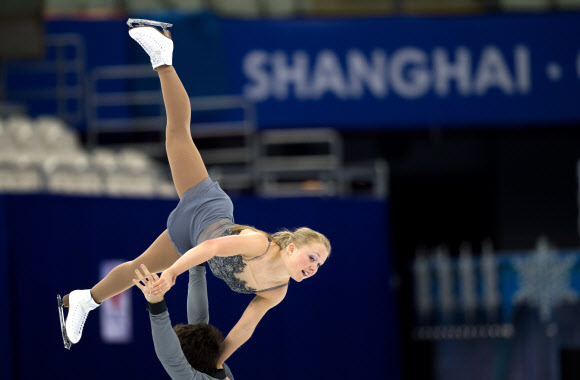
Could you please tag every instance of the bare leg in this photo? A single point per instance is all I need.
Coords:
(187, 167)
(158, 257)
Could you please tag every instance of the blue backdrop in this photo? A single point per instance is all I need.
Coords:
(333, 326)
(373, 73)
(408, 71)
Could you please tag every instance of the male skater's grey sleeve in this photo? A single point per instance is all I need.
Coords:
(168, 349)
(197, 303)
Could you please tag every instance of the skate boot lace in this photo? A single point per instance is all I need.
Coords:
(152, 46)
(79, 316)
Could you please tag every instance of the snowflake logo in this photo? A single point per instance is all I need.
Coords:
(544, 281)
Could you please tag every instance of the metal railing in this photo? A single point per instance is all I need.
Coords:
(310, 162)
(110, 87)
(51, 77)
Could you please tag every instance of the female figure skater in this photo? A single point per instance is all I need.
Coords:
(201, 228)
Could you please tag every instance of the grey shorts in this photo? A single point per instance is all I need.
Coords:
(204, 210)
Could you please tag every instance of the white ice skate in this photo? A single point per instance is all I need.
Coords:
(80, 303)
(158, 45)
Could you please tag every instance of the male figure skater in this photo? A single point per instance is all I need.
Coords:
(187, 352)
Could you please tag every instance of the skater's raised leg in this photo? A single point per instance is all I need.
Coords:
(187, 167)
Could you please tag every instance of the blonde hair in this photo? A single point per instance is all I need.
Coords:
(300, 236)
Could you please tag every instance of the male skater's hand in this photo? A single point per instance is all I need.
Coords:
(146, 282)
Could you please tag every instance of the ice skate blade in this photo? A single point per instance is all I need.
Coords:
(143, 22)
(65, 340)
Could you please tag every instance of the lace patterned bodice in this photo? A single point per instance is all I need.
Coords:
(226, 268)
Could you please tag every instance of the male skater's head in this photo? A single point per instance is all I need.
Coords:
(201, 344)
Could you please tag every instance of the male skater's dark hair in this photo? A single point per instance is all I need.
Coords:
(201, 344)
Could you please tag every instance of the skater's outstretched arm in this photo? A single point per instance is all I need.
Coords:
(245, 327)
(167, 346)
(249, 245)
(197, 302)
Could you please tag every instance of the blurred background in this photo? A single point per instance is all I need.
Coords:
(435, 142)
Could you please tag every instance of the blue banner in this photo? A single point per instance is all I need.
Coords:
(408, 71)
(53, 244)
(374, 73)
(6, 276)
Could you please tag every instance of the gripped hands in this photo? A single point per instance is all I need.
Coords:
(145, 282)
(165, 282)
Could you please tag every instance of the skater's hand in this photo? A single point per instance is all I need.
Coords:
(166, 281)
(146, 282)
